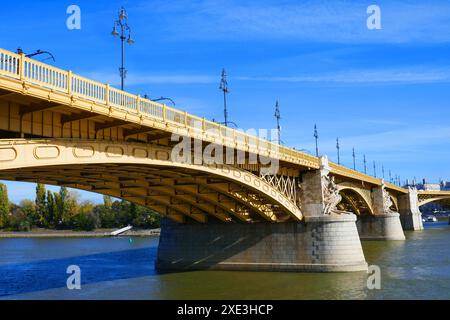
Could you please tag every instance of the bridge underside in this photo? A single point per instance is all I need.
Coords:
(177, 193)
(352, 201)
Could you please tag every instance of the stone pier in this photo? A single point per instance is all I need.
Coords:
(384, 224)
(326, 241)
(318, 245)
(410, 215)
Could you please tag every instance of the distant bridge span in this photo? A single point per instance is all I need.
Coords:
(432, 196)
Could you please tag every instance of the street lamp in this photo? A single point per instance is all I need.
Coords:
(224, 87)
(316, 137)
(365, 165)
(374, 169)
(36, 53)
(278, 117)
(338, 149)
(354, 159)
(125, 34)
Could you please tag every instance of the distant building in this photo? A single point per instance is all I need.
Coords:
(432, 187)
(443, 185)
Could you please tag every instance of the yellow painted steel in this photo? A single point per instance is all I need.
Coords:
(29, 77)
(18, 155)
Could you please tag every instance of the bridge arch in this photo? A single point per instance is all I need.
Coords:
(429, 199)
(394, 206)
(355, 199)
(147, 175)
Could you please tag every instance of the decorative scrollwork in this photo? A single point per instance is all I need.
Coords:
(285, 184)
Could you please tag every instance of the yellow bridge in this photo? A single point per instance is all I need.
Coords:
(59, 128)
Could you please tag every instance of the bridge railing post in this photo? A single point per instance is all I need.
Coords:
(21, 66)
(138, 104)
(69, 82)
(164, 112)
(107, 94)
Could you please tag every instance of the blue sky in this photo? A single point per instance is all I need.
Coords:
(384, 92)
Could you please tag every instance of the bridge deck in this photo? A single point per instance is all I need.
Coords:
(23, 79)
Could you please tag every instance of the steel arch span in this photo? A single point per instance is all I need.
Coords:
(147, 175)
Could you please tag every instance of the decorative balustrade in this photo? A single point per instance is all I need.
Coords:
(87, 88)
(151, 108)
(122, 100)
(174, 115)
(9, 64)
(43, 74)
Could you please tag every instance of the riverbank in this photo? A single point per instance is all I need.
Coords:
(99, 233)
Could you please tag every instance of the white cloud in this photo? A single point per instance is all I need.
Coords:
(325, 21)
(404, 75)
(395, 145)
(142, 79)
(387, 76)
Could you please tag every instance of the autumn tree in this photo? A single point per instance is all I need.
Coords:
(4, 206)
(51, 210)
(41, 205)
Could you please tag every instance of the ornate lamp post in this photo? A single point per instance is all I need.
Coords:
(316, 137)
(224, 87)
(365, 165)
(354, 159)
(338, 147)
(125, 34)
(374, 169)
(278, 117)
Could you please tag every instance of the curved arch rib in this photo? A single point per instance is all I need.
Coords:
(42, 153)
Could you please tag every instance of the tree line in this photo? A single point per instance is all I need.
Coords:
(63, 210)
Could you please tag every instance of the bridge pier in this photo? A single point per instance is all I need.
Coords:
(320, 244)
(380, 227)
(410, 215)
(325, 241)
(384, 224)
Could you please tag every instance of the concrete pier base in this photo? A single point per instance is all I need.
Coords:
(410, 215)
(320, 244)
(380, 227)
(412, 221)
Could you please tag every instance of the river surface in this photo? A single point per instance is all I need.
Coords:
(123, 268)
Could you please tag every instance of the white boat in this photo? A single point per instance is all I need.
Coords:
(431, 219)
(117, 232)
